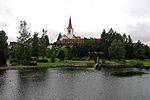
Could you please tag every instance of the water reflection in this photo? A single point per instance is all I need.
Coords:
(72, 84)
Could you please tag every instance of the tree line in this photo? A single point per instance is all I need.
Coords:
(111, 43)
(114, 46)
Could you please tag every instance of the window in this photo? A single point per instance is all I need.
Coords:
(69, 31)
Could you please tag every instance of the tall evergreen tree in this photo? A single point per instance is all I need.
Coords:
(24, 49)
(129, 48)
(3, 47)
(35, 45)
(44, 42)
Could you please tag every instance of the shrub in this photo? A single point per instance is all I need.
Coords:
(53, 58)
(139, 64)
(14, 61)
(33, 63)
(103, 61)
(42, 60)
(26, 63)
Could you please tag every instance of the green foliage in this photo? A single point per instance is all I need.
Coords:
(3, 47)
(61, 54)
(24, 33)
(24, 48)
(49, 53)
(139, 50)
(35, 45)
(128, 47)
(24, 52)
(69, 55)
(106, 40)
(44, 42)
(116, 50)
(42, 60)
(53, 56)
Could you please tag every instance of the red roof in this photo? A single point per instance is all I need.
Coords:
(70, 24)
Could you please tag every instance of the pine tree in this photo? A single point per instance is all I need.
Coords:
(3, 47)
(44, 42)
(35, 45)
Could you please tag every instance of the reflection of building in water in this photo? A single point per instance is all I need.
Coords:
(70, 38)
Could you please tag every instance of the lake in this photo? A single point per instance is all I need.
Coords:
(73, 84)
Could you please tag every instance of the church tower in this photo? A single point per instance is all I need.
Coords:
(70, 30)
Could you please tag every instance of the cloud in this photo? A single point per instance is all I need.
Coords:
(138, 8)
(4, 9)
(5, 14)
(140, 31)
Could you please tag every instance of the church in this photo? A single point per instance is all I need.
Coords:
(69, 38)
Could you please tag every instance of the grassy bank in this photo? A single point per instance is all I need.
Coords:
(68, 63)
(84, 64)
(128, 63)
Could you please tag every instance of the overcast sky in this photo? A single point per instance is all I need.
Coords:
(89, 17)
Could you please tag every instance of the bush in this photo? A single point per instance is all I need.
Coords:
(76, 58)
(26, 63)
(139, 64)
(33, 63)
(42, 60)
(30, 63)
(103, 61)
(53, 58)
(14, 61)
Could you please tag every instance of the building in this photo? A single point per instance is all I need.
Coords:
(69, 38)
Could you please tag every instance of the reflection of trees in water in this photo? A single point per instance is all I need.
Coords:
(32, 82)
(9, 85)
(2, 80)
(33, 75)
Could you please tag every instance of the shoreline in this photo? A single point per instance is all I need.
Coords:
(69, 66)
(40, 67)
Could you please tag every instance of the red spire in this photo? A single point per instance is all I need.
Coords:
(70, 24)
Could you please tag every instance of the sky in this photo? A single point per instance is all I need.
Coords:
(89, 17)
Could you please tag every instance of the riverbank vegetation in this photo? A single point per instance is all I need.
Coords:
(113, 48)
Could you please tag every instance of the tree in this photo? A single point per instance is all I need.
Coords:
(24, 33)
(116, 50)
(129, 47)
(44, 42)
(61, 54)
(35, 45)
(147, 52)
(69, 53)
(139, 50)
(3, 47)
(53, 55)
(24, 48)
(59, 36)
(106, 40)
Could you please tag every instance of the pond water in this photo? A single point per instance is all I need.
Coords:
(72, 84)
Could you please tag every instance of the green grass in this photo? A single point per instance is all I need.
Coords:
(127, 63)
(83, 64)
(67, 63)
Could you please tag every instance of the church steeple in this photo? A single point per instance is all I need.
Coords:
(70, 24)
(70, 29)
